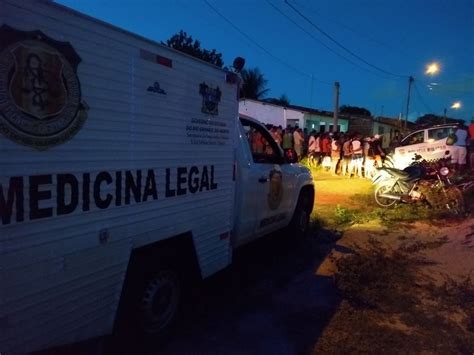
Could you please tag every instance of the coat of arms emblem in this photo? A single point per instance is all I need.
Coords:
(210, 99)
(39, 89)
(275, 193)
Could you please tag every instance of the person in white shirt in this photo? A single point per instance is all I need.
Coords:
(298, 141)
(357, 156)
(312, 143)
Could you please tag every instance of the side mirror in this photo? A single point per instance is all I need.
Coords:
(290, 156)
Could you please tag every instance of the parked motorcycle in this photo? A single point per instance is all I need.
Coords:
(422, 181)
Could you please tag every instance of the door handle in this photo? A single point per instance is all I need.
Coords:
(263, 180)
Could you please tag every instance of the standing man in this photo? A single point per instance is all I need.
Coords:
(287, 139)
(471, 144)
(346, 156)
(377, 150)
(298, 141)
(312, 149)
(459, 148)
(357, 156)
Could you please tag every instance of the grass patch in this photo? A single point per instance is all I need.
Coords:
(344, 216)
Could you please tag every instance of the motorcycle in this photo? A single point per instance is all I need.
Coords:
(421, 181)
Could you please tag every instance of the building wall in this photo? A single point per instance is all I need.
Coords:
(362, 125)
(323, 123)
(271, 114)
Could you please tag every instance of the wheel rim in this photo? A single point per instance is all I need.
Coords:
(384, 202)
(159, 302)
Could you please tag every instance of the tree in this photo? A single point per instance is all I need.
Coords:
(282, 101)
(354, 110)
(431, 119)
(185, 43)
(253, 84)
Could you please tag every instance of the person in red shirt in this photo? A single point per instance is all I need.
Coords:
(470, 130)
(326, 145)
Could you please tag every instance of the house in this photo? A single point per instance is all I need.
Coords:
(291, 115)
(322, 121)
(386, 127)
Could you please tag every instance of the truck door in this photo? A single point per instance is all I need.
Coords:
(265, 185)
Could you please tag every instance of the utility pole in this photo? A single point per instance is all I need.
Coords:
(336, 106)
(311, 97)
(410, 82)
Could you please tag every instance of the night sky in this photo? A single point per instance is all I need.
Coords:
(371, 47)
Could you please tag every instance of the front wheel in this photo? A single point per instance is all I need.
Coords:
(385, 188)
(299, 225)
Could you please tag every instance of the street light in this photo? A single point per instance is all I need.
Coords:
(432, 68)
(456, 106)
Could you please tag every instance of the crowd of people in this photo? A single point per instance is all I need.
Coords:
(345, 154)
(350, 155)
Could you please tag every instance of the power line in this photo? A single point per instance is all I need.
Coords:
(316, 39)
(261, 47)
(339, 44)
(342, 24)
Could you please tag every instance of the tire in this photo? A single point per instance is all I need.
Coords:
(150, 304)
(385, 187)
(299, 225)
(159, 302)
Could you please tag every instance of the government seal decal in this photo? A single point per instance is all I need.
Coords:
(275, 193)
(40, 93)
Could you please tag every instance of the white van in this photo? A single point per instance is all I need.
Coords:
(429, 142)
(125, 171)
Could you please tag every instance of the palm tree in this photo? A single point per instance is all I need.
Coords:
(282, 101)
(253, 85)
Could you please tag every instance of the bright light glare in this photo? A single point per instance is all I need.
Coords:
(456, 105)
(432, 68)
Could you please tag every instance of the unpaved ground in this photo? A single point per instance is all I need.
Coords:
(405, 287)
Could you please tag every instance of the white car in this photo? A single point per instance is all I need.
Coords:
(429, 142)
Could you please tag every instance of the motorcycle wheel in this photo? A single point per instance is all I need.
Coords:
(386, 187)
(455, 201)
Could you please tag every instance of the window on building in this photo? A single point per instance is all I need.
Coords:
(290, 122)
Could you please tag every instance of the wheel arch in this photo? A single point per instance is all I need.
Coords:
(178, 249)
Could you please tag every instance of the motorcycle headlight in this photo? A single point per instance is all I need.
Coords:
(444, 171)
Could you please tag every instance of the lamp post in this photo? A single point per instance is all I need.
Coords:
(456, 106)
(410, 82)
